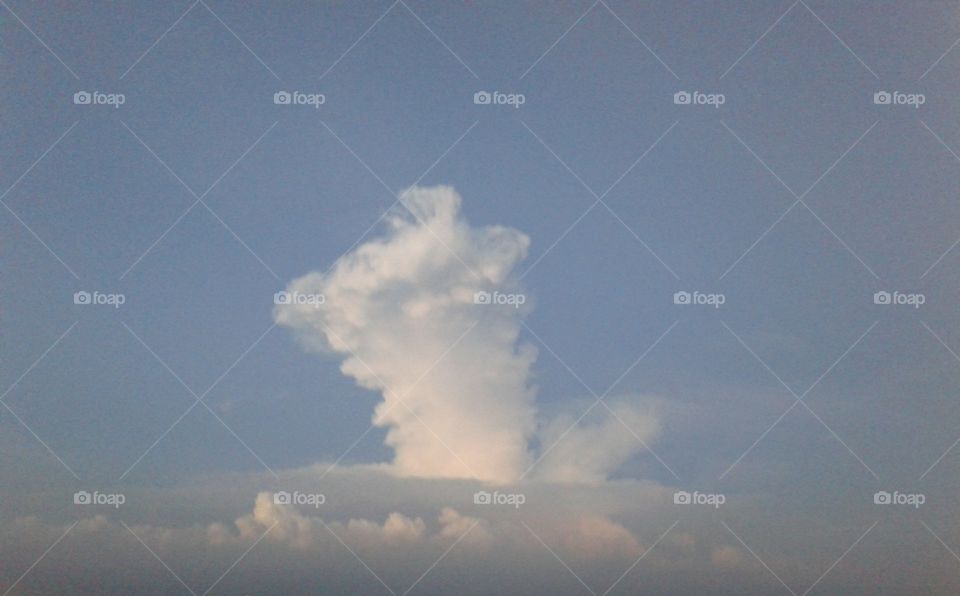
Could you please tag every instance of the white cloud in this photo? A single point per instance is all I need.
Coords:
(395, 306)
(592, 449)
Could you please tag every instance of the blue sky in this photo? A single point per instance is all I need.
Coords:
(198, 198)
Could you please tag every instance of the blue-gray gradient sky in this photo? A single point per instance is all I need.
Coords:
(750, 297)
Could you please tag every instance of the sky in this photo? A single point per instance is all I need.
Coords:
(411, 297)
